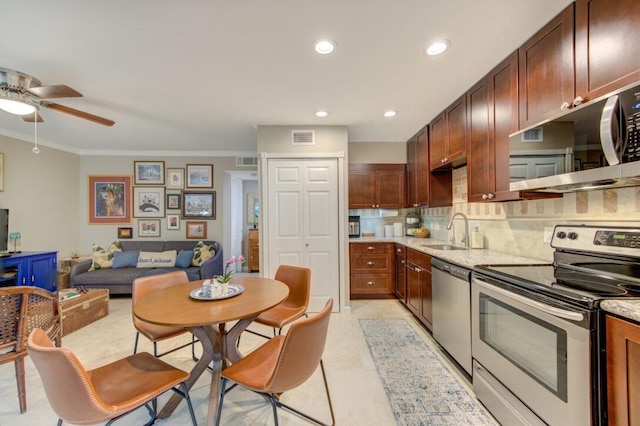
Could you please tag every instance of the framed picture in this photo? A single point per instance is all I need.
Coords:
(197, 230)
(173, 201)
(199, 205)
(253, 209)
(173, 221)
(125, 233)
(148, 201)
(148, 172)
(109, 200)
(590, 165)
(149, 228)
(175, 178)
(199, 175)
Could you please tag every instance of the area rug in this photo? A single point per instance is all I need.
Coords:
(420, 388)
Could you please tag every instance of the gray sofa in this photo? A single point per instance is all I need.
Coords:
(119, 281)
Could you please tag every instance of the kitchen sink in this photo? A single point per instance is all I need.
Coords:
(444, 247)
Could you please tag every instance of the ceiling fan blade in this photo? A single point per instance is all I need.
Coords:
(34, 116)
(55, 91)
(77, 113)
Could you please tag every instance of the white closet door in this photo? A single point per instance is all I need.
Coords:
(303, 223)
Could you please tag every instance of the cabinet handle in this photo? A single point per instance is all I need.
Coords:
(490, 196)
(485, 196)
(370, 263)
(416, 269)
(33, 279)
(370, 283)
(399, 250)
(577, 101)
(565, 106)
(402, 261)
(371, 248)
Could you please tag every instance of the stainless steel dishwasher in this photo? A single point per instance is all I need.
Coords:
(451, 303)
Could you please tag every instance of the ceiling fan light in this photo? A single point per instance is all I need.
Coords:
(15, 104)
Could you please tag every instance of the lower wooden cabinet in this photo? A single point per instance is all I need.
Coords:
(373, 270)
(401, 273)
(254, 251)
(623, 371)
(418, 275)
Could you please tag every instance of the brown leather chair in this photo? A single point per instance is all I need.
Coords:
(284, 363)
(142, 287)
(109, 392)
(298, 279)
(24, 308)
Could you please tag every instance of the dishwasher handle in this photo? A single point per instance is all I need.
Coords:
(449, 268)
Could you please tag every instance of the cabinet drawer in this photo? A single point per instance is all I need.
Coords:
(421, 259)
(373, 262)
(372, 248)
(371, 283)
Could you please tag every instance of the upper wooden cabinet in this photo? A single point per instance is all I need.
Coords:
(373, 186)
(492, 106)
(448, 141)
(607, 48)
(424, 188)
(546, 75)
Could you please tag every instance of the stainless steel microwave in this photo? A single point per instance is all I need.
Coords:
(592, 146)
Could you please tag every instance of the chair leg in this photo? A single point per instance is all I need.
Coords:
(223, 387)
(185, 390)
(22, 392)
(135, 344)
(274, 405)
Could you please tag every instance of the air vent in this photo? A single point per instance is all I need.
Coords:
(302, 137)
(246, 161)
(533, 135)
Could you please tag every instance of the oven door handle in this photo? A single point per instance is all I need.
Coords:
(551, 310)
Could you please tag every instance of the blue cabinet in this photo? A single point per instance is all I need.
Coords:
(34, 268)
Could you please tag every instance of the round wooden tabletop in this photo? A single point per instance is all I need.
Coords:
(174, 307)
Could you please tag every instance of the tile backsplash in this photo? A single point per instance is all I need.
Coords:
(518, 227)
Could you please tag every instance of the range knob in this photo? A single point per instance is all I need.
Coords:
(573, 235)
(561, 234)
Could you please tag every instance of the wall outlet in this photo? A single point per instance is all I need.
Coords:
(548, 234)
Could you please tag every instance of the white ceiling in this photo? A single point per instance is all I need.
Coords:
(199, 76)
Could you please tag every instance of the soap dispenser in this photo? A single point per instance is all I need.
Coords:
(477, 238)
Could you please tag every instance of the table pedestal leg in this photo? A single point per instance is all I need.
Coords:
(230, 339)
(210, 341)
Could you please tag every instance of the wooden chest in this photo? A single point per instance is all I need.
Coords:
(84, 309)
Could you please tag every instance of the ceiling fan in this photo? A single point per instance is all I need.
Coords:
(23, 94)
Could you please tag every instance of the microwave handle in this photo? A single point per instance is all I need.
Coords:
(606, 135)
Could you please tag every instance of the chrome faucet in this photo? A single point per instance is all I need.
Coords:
(465, 237)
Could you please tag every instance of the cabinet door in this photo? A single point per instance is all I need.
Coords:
(437, 141)
(362, 189)
(607, 48)
(412, 172)
(42, 272)
(426, 311)
(623, 372)
(480, 162)
(457, 132)
(413, 288)
(546, 70)
(423, 189)
(391, 188)
(401, 281)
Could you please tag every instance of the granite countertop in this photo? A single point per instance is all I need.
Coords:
(627, 308)
(467, 258)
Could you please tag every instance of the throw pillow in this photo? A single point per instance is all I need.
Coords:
(102, 258)
(155, 259)
(202, 253)
(125, 259)
(184, 258)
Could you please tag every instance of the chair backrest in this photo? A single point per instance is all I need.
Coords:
(298, 279)
(301, 351)
(145, 285)
(66, 383)
(22, 309)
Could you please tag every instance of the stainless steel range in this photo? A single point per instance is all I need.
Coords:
(537, 330)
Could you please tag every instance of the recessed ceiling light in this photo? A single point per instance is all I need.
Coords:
(390, 113)
(321, 113)
(438, 47)
(324, 46)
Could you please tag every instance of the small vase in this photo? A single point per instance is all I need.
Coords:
(225, 288)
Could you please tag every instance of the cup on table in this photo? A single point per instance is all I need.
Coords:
(225, 288)
(216, 289)
(207, 289)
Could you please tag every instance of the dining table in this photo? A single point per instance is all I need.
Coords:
(207, 319)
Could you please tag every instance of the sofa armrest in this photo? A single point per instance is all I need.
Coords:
(213, 266)
(78, 268)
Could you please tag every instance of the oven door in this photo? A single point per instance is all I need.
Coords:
(539, 354)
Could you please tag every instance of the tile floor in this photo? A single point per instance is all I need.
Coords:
(357, 394)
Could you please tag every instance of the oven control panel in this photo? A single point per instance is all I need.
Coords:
(625, 241)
